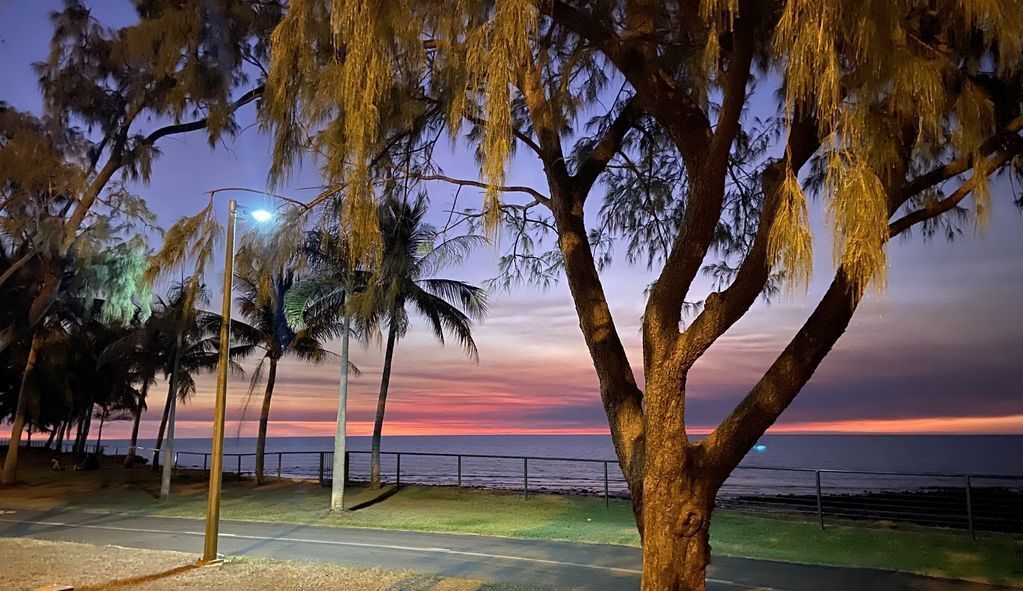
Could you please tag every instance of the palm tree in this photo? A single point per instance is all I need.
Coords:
(329, 291)
(141, 350)
(262, 291)
(412, 251)
(188, 340)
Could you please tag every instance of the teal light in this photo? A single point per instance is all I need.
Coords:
(760, 448)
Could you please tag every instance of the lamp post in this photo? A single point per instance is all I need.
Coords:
(220, 405)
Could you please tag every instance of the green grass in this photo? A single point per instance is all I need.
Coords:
(948, 553)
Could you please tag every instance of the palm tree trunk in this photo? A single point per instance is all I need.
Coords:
(378, 422)
(99, 435)
(10, 473)
(53, 435)
(62, 432)
(163, 427)
(83, 445)
(340, 475)
(129, 458)
(168, 458)
(264, 419)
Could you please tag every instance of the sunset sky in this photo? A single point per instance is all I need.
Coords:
(939, 351)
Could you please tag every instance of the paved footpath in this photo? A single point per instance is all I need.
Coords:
(544, 564)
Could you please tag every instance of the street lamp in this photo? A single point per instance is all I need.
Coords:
(219, 410)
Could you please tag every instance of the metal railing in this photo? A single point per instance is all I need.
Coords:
(971, 502)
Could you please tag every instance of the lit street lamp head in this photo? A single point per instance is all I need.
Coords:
(261, 215)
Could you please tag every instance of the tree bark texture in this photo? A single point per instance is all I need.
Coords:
(264, 420)
(10, 473)
(378, 421)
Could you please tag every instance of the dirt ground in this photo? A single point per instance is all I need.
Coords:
(31, 564)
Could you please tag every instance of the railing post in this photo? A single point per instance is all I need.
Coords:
(398, 472)
(459, 472)
(525, 478)
(348, 468)
(321, 468)
(607, 499)
(969, 508)
(205, 458)
(820, 504)
(174, 468)
(278, 465)
(239, 467)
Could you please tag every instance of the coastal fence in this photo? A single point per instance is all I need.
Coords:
(969, 502)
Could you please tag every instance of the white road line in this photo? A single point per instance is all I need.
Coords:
(359, 545)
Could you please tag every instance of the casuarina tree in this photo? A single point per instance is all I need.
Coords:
(177, 59)
(725, 116)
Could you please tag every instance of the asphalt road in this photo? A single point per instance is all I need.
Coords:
(544, 564)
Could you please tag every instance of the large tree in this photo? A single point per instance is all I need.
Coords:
(40, 166)
(186, 66)
(894, 113)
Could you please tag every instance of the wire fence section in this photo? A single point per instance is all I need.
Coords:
(974, 502)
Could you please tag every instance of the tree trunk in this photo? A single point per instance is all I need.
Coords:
(163, 427)
(129, 458)
(78, 432)
(53, 435)
(48, 290)
(10, 473)
(83, 444)
(65, 426)
(676, 542)
(99, 435)
(168, 457)
(264, 419)
(378, 422)
(340, 474)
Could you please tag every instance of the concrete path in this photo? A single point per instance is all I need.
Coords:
(544, 564)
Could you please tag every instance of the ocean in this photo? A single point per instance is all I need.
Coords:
(780, 464)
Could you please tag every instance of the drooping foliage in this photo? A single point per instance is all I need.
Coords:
(690, 136)
(109, 96)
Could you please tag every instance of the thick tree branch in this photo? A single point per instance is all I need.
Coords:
(18, 264)
(722, 310)
(604, 150)
(619, 393)
(728, 444)
(198, 124)
(923, 214)
(734, 95)
(656, 90)
(537, 196)
(960, 165)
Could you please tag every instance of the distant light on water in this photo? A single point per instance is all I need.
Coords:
(760, 448)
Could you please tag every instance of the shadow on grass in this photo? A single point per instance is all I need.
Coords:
(370, 497)
(132, 581)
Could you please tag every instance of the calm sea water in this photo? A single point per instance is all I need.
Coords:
(953, 455)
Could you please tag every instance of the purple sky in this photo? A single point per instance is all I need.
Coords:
(939, 351)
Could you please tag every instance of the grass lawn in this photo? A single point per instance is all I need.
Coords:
(948, 553)
(109, 568)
